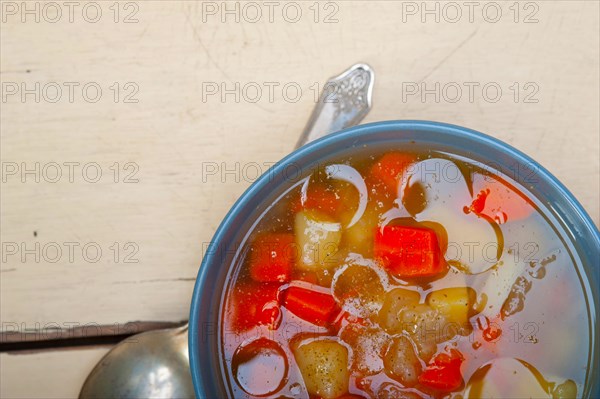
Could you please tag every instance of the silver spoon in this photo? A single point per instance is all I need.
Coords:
(156, 364)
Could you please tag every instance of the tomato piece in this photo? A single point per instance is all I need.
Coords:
(313, 306)
(319, 198)
(500, 202)
(443, 372)
(255, 304)
(408, 252)
(390, 168)
(272, 257)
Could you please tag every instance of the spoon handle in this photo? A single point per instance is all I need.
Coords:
(344, 101)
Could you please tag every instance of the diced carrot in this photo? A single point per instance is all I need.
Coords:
(313, 306)
(499, 202)
(255, 304)
(408, 252)
(389, 169)
(443, 372)
(272, 257)
(319, 198)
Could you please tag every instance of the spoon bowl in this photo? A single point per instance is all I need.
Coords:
(154, 364)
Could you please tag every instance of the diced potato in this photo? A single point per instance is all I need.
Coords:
(426, 347)
(402, 312)
(358, 289)
(401, 362)
(426, 323)
(359, 237)
(454, 303)
(390, 317)
(368, 345)
(318, 239)
(349, 199)
(324, 367)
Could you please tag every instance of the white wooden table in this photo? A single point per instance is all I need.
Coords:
(174, 109)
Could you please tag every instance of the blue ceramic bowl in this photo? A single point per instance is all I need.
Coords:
(564, 212)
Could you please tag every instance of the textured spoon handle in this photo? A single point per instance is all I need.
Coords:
(344, 102)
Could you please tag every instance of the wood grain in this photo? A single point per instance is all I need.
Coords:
(175, 137)
(48, 374)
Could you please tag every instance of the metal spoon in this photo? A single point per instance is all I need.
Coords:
(156, 364)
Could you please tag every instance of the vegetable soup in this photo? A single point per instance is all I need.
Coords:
(405, 274)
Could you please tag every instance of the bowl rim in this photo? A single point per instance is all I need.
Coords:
(348, 134)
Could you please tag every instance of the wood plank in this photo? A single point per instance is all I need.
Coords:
(47, 374)
(14, 337)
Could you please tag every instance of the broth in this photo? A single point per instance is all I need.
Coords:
(395, 274)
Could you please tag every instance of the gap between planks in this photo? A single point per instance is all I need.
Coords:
(15, 341)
